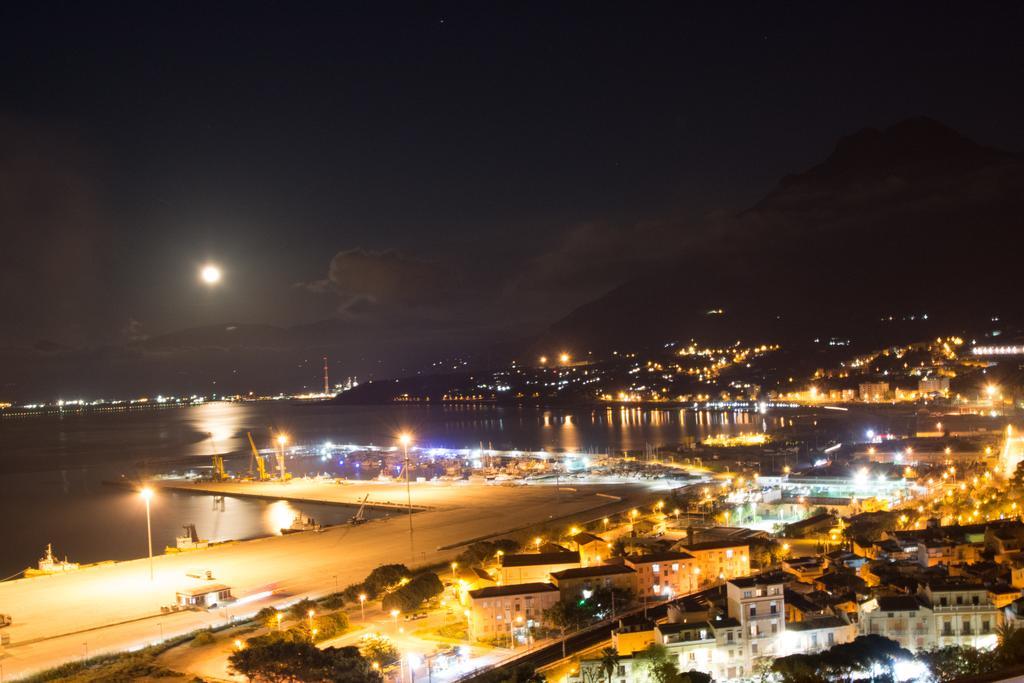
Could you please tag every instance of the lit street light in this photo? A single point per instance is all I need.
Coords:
(362, 605)
(394, 617)
(147, 495)
(405, 439)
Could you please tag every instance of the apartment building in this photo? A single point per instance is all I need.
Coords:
(940, 614)
(717, 560)
(580, 582)
(665, 574)
(508, 613)
(758, 604)
(535, 567)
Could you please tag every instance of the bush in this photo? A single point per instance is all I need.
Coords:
(329, 625)
(334, 601)
(203, 638)
(300, 610)
(413, 594)
(281, 660)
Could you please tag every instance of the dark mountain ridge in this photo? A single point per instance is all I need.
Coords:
(912, 221)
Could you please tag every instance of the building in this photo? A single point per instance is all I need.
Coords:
(509, 613)
(709, 646)
(592, 549)
(873, 392)
(724, 647)
(718, 560)
(940, 614)
(535, 567)
(758, 604)
(964, 614)
(581, 582)
(933, 385)
(664, 574)
(207, 595)
(814, 635)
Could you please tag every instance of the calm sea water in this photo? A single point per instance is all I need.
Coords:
(52, 468)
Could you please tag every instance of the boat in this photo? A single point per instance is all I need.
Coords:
(48, 564)
(359, 517)
(300, 524)
(188, 541)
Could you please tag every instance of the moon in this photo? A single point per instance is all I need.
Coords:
(210, 274)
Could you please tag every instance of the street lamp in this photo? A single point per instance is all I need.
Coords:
(282, 441)
(147, 495)
(311, 614)
(362, 605)
(405, 439)
(279, 616)
(394, 616)
(454, 566)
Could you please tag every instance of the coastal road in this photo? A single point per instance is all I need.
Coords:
(117, 607)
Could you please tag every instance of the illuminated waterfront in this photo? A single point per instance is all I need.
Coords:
(55, 466)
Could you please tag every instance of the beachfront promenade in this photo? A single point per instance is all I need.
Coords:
(117, 606)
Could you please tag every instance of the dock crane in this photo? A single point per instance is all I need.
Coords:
(218, 462)
(261, 464)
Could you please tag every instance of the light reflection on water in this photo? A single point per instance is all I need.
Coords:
(52, 468)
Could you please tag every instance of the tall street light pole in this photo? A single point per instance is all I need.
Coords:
(147, 495)
(405, 439)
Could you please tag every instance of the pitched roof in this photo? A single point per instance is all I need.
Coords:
(665, 556)
(536, 559)
(511, 589)
(815, 623)
(585, 537)
(714, 545)
(766, 579)
(898, 603)
(596, 570)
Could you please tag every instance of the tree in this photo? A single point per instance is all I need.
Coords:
(413, 594)
(383, 578)
(566, 615)
(864, 654)
(280, 660)
(482, 551)
(379, 649)
(609, 662)
(958, 661)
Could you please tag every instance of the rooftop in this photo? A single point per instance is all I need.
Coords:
(665, 556)
(537, 559)
(769, 579)
(596, 570)
(898, 603)
(511, 589)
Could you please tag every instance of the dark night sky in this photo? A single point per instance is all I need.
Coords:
(472, 166)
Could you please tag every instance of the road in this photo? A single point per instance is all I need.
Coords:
(117, 607)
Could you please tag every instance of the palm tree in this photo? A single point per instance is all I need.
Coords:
(1005, 632)
(609, 662)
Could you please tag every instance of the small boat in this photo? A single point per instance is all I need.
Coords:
(301, 523)
(188, 541)
(49, 564)
(359, 517)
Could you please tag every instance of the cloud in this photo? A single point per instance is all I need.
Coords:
(373, 281)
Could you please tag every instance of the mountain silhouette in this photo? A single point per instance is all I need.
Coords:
(896, 234)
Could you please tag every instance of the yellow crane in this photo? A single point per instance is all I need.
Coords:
(261, 465)
(218, 463)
